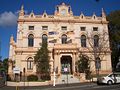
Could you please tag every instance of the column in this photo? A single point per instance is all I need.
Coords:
(73, 63)
(56, 63)
(59, 64)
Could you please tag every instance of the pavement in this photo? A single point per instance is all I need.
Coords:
(76, 86)
(47, 87)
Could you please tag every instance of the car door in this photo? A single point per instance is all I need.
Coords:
(113, 77)
(117, 78)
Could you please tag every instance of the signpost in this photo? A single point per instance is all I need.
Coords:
(54, 78)
(66, 71)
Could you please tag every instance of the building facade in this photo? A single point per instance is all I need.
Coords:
(68, 37)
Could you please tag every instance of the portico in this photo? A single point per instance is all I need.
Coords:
(65, 57)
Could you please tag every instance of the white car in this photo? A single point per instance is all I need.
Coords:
(109, 79)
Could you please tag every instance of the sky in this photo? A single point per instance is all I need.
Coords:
(9, 13)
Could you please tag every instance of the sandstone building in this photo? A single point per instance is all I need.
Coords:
(68, 35)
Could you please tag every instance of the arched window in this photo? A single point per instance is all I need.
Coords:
(98, 63)
(30, 40)
(64, 39)
(83, 41)
(96, 41)
(44, 38)
(30, 63)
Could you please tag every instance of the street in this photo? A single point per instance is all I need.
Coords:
(83, 86)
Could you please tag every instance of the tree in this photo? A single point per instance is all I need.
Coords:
(4, 65)
(98, 47)
(1, 64)
(42, 62)
(83, 65)
(114, 31)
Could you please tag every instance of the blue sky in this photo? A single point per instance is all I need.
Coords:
(9, 12)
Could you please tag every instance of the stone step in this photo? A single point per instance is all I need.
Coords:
(66, 79)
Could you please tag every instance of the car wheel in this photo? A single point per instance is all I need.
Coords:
(109, 82)
(98, 83)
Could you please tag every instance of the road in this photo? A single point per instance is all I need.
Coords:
(84, 86)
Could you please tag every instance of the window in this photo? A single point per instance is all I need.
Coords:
(44, 27)
(96, 41)
(63, 28)
(44, 38)
(83, 41)
(30, 63)
(30, 40)
(64, 39)
(98, 63)
(31, 27)
(82, 28)
(95, 28)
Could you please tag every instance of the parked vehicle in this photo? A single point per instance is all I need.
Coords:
(112, 78)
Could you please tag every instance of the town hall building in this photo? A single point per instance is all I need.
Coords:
(68, 36)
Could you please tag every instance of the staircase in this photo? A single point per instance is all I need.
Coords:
(66, 79)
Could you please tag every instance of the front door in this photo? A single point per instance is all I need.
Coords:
(66, 64)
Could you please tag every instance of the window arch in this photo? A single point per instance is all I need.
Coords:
(98, 63)
(30, 63)
(44, 38)
(83, 41)
(96, 41)
(64, 39)
(30, 40)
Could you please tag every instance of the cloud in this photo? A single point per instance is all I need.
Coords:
(8, 19)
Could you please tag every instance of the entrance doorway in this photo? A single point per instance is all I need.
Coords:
(66, 64)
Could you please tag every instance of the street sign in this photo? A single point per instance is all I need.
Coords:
(16, 70)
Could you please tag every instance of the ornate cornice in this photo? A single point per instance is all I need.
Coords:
(62, 20)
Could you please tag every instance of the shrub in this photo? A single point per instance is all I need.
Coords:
(88, 74)
(8, 77)
(32, 78)
(45, 77)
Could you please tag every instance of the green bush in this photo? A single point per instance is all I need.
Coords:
(8, 77)
(32, 78)
(88, 74)
(45, 77)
